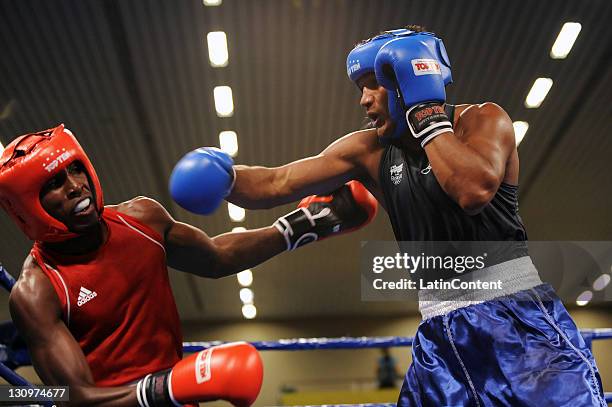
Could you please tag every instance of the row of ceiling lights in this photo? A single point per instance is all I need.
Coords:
(541, 86)
(224, 104)
(218, 55)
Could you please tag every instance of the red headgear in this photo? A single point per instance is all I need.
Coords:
(26, 165)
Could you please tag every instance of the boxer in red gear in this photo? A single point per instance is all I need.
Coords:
(93, 301)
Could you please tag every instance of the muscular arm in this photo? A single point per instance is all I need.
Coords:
(345, 159)
(191, 250)
(55, 354)
(471, 164)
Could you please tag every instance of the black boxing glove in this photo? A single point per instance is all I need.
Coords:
(346, 209)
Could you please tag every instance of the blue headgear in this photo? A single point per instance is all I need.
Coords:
(360, 61)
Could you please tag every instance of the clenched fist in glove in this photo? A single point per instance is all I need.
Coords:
(231, 372)
(346, 209)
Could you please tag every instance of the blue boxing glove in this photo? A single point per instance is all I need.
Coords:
(201, 179)
(409, 68)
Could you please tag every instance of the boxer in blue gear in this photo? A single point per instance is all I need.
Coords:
(447, 173)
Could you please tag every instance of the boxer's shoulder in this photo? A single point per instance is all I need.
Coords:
(471, 113)
(365, 139)
(488, 120)
(361, 146)
(30, 273)
(147, 211)
(32, 290)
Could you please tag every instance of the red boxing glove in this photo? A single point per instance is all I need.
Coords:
(231, 372)
(346, 209)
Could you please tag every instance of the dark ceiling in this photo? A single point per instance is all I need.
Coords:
(132, 80)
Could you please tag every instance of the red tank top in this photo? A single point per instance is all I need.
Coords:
(117, 302)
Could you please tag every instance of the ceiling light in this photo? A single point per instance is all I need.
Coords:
(565, 40)
(584, 298)
(236, 213)
(212, 2)
(538, 92)
(601, 282)
(228, 141)
(239, 229)
(246, 295)
(224, 104)
(245, 278)
(249, 311)
(520, 128)
(217, 48)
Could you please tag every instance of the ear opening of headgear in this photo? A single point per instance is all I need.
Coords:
(360, 61)
(26, 164)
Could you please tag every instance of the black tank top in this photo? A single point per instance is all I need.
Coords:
(420, 210)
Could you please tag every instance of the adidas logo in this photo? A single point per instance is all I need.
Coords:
(85, 295)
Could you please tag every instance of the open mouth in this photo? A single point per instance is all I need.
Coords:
(82, 207)
(376, 120)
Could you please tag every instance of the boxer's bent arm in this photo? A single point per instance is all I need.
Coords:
(55, 354)
(191, 250)
(471, 165)
(344, 160)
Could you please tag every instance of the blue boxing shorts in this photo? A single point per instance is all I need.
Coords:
(518, 349)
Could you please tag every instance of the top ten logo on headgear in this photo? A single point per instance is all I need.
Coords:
(425, 67)
(354, 67)
(60, 159)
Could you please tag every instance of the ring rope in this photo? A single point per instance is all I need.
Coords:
(363, 342)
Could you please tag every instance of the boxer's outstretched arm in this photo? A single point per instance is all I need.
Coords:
(191, 250)
(55, 354)
(345, 159)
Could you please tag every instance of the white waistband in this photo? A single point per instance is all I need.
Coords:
(512, 276)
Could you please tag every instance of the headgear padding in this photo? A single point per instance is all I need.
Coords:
(360, 61)
(26, 164)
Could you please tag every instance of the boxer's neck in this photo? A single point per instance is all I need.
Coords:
(85, 243)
